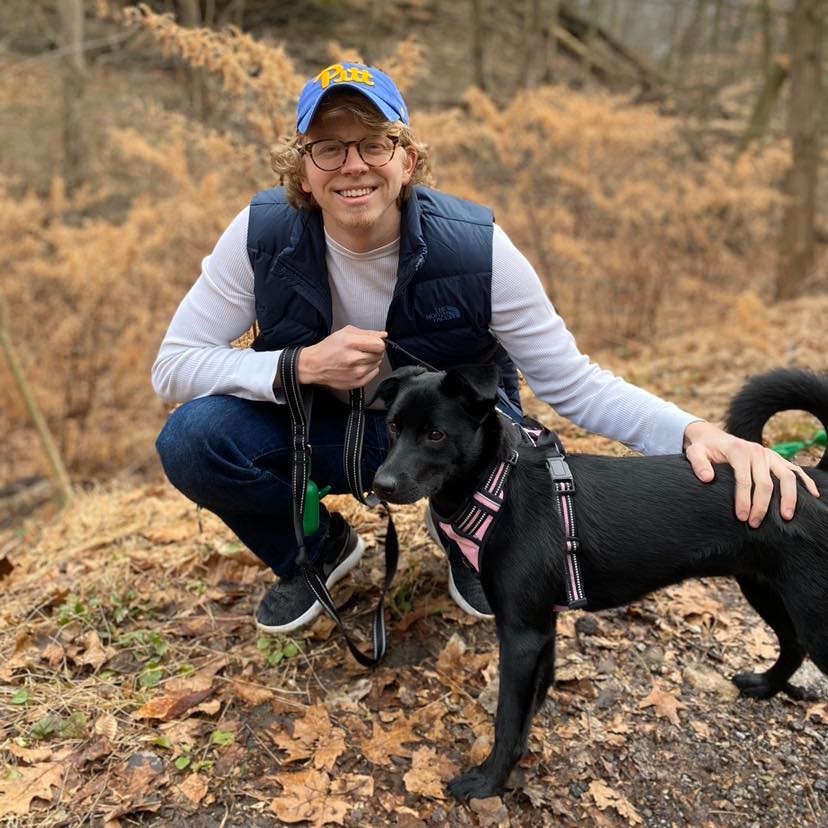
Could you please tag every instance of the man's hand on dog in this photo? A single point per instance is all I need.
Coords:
(754, 466)
(348, 358)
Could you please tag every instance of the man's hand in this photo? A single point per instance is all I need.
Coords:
(753, 465)
(348, 358)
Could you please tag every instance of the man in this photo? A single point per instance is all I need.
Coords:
(360, 263)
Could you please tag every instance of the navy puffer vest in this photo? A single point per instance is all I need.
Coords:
(441, 307)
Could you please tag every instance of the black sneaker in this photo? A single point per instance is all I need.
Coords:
(290, 604)
(463, 581)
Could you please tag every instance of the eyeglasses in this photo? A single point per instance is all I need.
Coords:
(330, 154)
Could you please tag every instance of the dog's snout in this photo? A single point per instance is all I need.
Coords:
(385, 485)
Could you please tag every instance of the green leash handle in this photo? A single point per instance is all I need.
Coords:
(791, 449)
(310, 520)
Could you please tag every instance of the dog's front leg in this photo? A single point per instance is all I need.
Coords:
(527, 660)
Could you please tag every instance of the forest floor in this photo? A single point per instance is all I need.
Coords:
(136, 690)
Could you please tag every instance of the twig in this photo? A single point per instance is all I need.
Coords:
(39, 421)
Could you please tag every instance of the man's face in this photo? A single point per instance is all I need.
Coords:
(358, 202)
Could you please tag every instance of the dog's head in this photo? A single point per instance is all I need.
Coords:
(438, 426)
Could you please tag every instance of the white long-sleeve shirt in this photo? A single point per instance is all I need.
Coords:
(196, 358)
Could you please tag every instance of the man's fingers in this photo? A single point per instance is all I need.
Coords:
(810, 485)
(699, 461)
(787, 491)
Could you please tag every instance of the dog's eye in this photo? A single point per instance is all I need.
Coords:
(392, 427)
(435, 436)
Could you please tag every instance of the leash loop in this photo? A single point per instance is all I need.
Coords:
(299, 401)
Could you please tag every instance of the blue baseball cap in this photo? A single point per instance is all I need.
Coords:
(371, 82)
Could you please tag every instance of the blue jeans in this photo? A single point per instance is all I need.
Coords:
(233, 457)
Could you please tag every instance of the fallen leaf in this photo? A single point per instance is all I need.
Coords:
(201, 679)
(194, 788)
(429, 773)
(106, 725)
(251, 693)
(356, 786)
(819, 712)
(450, 658)
(167, 535)
(94, 655)
(28, 755)
(605, 797)
(701, 729)
(384, 744)
(481, 748)
(35, 782)
(666, 704)
(759, 644)
(306, 797)
(170, 707)
(313, 736)
(491, 812)
(53, 654)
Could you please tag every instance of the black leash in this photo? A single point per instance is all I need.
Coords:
(299, 401)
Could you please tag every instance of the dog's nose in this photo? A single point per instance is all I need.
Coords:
(384, 485)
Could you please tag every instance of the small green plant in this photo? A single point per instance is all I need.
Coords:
(223, 737)
(72, 609)
(276, 650)
(63, 727)
(21, 697)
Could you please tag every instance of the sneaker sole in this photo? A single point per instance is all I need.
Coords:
(452, 587)
(337, 575)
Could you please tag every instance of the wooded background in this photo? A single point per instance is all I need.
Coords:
(657, 161)
(653, 159)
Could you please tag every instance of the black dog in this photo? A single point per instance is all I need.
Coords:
(644, 523)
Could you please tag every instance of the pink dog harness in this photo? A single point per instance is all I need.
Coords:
(472, 524)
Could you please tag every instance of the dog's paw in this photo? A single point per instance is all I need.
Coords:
(756, 685)
(474, 784)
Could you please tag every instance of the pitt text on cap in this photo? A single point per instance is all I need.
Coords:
(342, 74)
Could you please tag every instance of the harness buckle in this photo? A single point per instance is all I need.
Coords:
(559, 471)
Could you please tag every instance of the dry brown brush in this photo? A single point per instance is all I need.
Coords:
(631, 233)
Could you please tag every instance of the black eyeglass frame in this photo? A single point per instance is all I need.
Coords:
(306, 149)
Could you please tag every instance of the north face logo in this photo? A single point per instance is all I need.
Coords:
(445, 313)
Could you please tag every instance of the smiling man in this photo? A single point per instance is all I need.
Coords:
(354, 254)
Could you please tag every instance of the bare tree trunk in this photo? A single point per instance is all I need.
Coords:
(715, 35)
(593, 17)
(478, 45)
(189, 15)
(766, 23)
(690, 38)
(763, 108)
(75, 152)
(540, 43)
(553, 14)
(796, 240)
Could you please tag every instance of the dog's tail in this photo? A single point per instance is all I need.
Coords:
(781, 390)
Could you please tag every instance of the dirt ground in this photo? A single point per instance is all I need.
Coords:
(136, 690)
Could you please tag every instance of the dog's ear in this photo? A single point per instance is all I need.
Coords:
(476, 384)
(388, 389)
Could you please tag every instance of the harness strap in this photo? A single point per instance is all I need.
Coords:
(299, 402)
(564, 485)
(468, 529)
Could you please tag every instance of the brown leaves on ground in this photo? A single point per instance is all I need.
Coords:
(135, 685)
(28, 783)
(605, 797)
(665, 703)
(316, 797)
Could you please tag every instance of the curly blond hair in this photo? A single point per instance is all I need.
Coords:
(286, 159)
